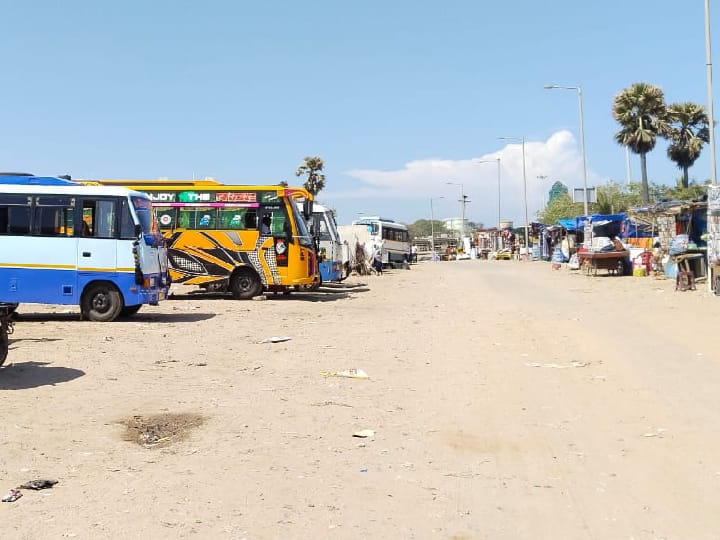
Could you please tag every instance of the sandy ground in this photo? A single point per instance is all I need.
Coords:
(508, 400)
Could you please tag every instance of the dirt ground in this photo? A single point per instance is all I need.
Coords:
(507, 401)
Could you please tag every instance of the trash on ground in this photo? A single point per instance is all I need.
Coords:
(350, 373)
(12, 495)
(41, 483)
(275, 339)
(574, 364)
(657, 433)
(364, 433)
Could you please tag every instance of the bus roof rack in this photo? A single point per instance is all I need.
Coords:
(16, 174)
(30, 180)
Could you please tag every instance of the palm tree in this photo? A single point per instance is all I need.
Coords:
(640, 110)
(689, 129)
(312, 167)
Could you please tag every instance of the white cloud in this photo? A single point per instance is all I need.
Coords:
(558, 158)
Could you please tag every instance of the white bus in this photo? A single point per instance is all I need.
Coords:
(392, 236)
(63, 242)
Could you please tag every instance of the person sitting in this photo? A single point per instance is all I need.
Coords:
(265, 225)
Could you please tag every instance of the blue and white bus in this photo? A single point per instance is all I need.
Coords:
(63, 242)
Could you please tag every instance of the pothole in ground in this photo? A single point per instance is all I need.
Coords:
(157, 430)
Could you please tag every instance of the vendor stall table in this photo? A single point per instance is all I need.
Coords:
(613, 261)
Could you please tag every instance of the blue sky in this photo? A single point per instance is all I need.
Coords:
(398, 97)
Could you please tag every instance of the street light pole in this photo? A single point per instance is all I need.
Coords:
(582, 136)
(711, 120)
(527, 220)
(432, 226)
(462, 208)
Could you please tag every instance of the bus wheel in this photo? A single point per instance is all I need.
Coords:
(129, 311)
(245, 284)
(101, 303)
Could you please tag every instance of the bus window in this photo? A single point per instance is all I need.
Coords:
(277, 220)
(237, 219)
(323, 228)
(197, 218)
(54, 221)
(15, 214)
(166, 217)
(100, 217)
(127, 225)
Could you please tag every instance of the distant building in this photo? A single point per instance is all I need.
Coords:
(454, 225)
(557, 190)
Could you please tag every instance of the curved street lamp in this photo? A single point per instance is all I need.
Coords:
(582, 136)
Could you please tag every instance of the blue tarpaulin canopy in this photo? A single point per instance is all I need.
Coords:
(629, 227)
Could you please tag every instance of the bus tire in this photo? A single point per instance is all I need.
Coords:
(101, 302)
(245, 284)
(129, 311)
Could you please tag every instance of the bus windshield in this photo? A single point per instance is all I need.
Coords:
(303, 234)
(144, 210)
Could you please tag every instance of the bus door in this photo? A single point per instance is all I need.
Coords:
(53, 240)
(97, 248)
(275, 243)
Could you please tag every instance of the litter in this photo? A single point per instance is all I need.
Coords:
(12, 495)
(574, 364)
(275, 339)
(38, 484)
(350, 373)
(364, 433)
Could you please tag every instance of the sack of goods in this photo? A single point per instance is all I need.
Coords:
(558, 256)
(679, 244)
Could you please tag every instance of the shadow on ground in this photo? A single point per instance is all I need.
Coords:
(327, 292)
(138, 317)
(24, 375)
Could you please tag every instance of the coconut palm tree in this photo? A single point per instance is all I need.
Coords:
(312, 167)
(688, 130)
(640, 110)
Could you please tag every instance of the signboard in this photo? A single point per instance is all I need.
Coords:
(195, 197)
(578, 195)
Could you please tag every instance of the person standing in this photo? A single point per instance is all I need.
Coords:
(377, 259)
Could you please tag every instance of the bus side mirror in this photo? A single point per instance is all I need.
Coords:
(138, 231)
(307, 209)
